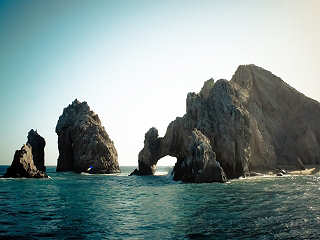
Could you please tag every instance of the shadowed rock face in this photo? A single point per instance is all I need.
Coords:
(83, 142)
(37, 143)
(28, 161)
(254, 122)
(199, 161)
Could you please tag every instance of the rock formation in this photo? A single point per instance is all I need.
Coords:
(255, 122)
(83, 143)
(37, 143)
(196, 162)
(29, 160)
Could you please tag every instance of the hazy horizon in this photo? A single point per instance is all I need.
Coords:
(135, 61)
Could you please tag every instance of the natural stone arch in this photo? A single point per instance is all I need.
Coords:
(196, 162)
(255, 123)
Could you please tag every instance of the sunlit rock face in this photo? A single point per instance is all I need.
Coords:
(83, 143)
(28, 162)
(254, 122)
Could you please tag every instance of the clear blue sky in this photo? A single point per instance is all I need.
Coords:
(135, 61)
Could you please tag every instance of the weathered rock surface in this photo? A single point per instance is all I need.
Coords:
(29, 160)
(196, 162)
(199, 163)
(83, 142)
(254, 122)
(283, 127)
(37, 143)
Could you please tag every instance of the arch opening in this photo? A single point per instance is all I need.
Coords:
(165, 165)
(167, 161)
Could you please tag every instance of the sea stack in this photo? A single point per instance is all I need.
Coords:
(254, 123)
(37, 143)
(29, 160)
(84, 145)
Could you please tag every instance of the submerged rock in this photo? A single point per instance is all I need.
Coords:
(254, 123)
(29, 160)
(84, 145)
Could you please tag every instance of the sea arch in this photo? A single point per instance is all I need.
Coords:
(196, 161)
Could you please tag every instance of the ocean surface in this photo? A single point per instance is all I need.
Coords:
(81, 206)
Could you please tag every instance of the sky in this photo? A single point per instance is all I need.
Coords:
(135, 61)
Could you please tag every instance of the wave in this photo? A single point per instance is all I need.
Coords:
(106, 174)
(160, 173)
(170, 174)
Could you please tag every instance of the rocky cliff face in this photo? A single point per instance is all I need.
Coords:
(283, 122)
(254, 122)
(83, 142)
(29, 160)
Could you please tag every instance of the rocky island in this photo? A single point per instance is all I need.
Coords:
(28, 162)
(84, 145)
(253, 123)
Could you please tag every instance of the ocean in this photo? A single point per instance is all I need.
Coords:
(82, 206)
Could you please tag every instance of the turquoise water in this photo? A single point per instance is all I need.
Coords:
(77, 206)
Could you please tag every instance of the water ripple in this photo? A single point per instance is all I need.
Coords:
(73, 206)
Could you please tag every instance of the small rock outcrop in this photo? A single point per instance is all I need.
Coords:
(254, 123)
(37, 143)
(28, 162)
(84, 145)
